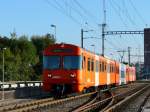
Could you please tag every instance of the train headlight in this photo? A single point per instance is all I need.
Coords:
(72, 75)
(49, 75)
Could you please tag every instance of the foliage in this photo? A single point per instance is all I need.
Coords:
(41, 42)
(23, 57)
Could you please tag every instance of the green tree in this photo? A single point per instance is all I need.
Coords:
(28, 57)
(41, 42)
(23, 57)
(12, 64)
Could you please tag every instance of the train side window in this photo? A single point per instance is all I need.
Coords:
(88, 64)
(97, 66)
(92, 65)
(102, 66)
(105, 67)
(110, 68)
(84, 62)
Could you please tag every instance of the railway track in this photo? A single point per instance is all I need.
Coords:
(86, 102)
(133, 101)
(105, 104)
(104, 97)
(23, 105)
(50, 104)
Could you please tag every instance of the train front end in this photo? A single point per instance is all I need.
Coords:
(61, 68)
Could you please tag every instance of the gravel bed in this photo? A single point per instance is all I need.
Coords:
(135, 104)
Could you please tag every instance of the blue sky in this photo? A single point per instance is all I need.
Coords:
(31, 17)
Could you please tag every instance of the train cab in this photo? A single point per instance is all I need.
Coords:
(62, 65)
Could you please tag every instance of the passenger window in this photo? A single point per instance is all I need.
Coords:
(102, 66)
(97, 66)
(105, 66)
(92, 65)
(84, 62)
(88, 64)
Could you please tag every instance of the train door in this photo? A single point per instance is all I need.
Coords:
(84, 69)
(108, 72)
(97, 71)
(88, 70)
(117, 77)
(122, 72)
(120, 78)
(92, 74)
(124, 68)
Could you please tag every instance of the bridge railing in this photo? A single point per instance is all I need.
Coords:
(20, 84)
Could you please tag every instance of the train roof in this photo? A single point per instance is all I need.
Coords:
(77, 47)
(73, 46)
(62, 45)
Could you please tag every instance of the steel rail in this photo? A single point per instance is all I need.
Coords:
(43, 103)
(116, 107)
(110, 101)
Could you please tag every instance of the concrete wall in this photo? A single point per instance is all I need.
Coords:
(26, 92)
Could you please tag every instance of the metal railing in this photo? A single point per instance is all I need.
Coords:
(20, 84)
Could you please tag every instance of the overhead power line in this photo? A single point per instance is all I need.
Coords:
(90, 15)
(116, 11)
(127, 14)
(61, 9)
(137, 12)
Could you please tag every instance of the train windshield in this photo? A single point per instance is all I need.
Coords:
(51, 62)
(72, 62)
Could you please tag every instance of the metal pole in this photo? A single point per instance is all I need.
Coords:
(103, 37)
(54, 26)
(81, 38)
(103, 27)
(129, 54)
(3, 77)
(55, 32)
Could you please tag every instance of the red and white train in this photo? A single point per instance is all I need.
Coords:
(69, 68)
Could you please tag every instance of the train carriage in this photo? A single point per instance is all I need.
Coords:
(122, 72)
(102, 71)
(68, 68)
